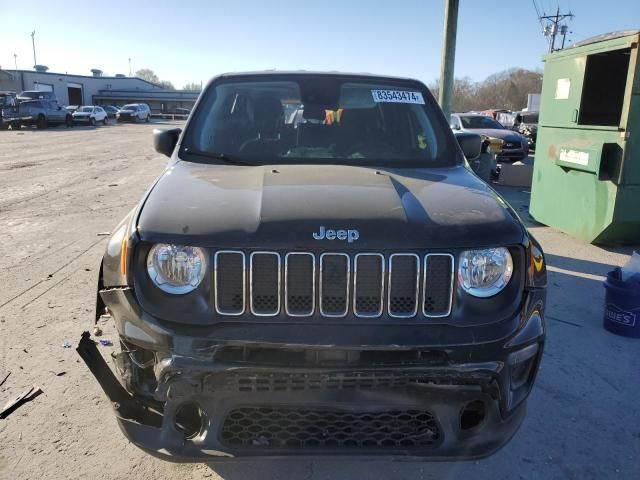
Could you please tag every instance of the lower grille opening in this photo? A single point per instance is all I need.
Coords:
(472, 415)
(277, 428)
(260, 381)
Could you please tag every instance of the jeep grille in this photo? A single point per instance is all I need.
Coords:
(368, 285)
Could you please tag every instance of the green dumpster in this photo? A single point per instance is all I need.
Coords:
(586, 177)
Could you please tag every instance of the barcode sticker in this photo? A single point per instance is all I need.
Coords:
(397, 96)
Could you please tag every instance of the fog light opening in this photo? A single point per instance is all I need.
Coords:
(472, 415)
(190, 419)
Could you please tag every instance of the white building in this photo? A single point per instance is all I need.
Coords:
(96, 89)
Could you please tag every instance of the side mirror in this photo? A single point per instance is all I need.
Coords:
(164, 141)
(470, 143)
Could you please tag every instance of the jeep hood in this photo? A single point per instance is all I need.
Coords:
(281, 206)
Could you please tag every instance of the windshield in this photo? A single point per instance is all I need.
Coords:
(86, 109)
(129, 107)
(479, 122)
(319, 119)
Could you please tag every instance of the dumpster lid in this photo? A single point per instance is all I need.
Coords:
(605, 36)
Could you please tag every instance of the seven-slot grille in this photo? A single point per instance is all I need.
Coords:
(368, 285)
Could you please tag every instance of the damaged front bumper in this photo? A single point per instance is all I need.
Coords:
(192, 396)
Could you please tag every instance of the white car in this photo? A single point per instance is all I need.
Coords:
(135, 112)
(90, 114)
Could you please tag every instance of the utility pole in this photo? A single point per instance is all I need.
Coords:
(445, 93)
(15, 60)
(33, 43)
(129, 66)
(554, 27)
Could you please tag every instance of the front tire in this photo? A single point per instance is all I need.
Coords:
(92, 121)
(42, 122)
(148, 119)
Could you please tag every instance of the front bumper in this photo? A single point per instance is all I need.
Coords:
(513, 154)
(211, 397)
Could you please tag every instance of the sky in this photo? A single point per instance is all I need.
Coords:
(194, 40)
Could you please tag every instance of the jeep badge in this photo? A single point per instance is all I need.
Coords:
(348, 235)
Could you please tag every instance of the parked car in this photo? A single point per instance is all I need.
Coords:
(112, 111)
(516, 146)
(528, 126)
(321, 289)
(37, 95)
(43, 113)
(9, 116)
(90, 114)
(182, 111)
(135, 112)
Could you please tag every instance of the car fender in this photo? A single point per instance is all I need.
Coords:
(112, 270)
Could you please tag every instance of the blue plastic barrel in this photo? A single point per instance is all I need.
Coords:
(622, 305)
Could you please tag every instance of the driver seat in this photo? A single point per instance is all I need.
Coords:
(358, 126)
(268, 120)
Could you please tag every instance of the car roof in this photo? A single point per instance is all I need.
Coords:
(267, 73)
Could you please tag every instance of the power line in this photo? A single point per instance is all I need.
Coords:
(535, 5)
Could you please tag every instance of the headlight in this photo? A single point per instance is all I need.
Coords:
(484, 273)
(175, 268)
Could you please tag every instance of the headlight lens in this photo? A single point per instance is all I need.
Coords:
(484, 273)
(176, 269)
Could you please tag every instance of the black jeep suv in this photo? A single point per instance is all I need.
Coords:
(332, 283)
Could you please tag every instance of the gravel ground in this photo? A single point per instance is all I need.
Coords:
(61, 189)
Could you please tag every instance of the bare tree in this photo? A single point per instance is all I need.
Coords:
(193, 86)
(166, 84)
(148, 75)
(507, 89)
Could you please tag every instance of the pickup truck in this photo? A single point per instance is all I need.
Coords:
(43, 113)
(334, 283)
(9, 116)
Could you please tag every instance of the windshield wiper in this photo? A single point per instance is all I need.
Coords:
(223, 157)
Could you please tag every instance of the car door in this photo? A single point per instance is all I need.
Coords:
(36, 108)
(100, 114)
(54, 112)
